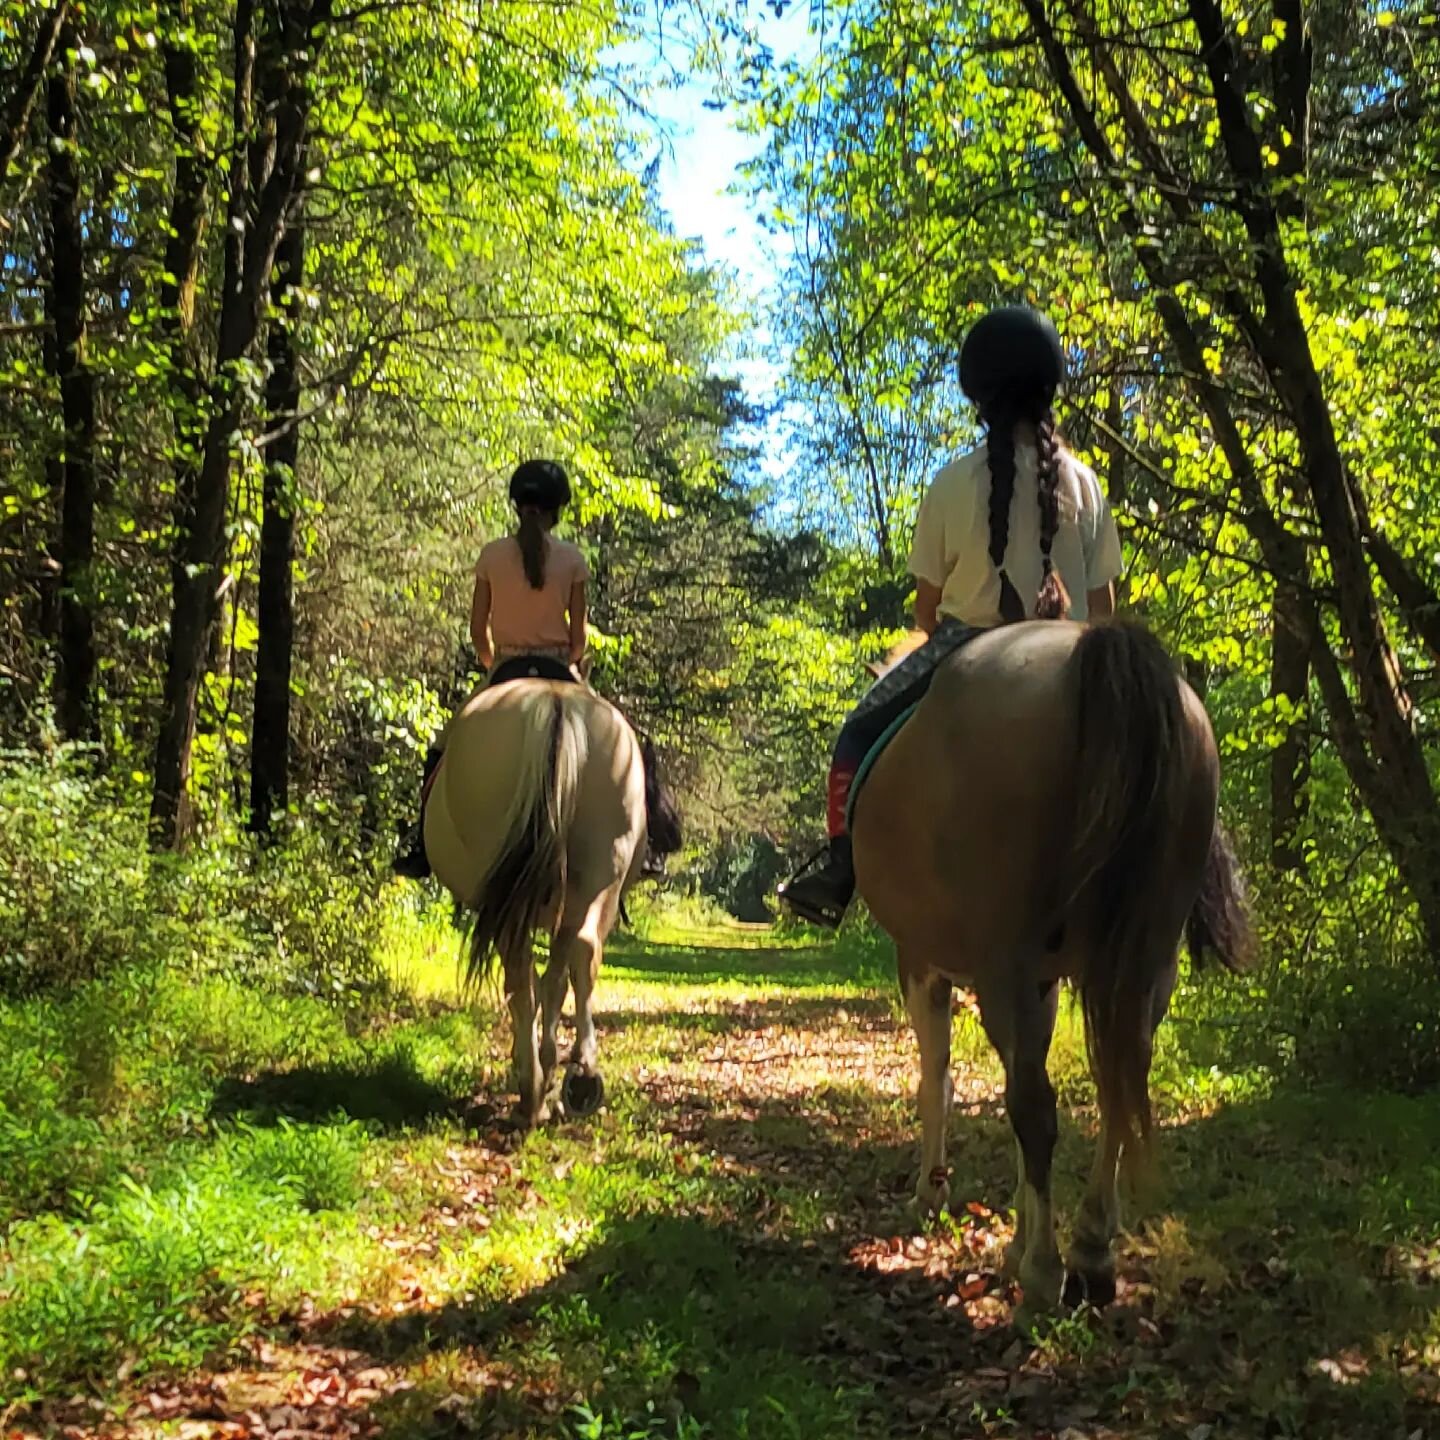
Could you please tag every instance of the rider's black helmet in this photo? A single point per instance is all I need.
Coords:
(541, 483)
(1013, 350)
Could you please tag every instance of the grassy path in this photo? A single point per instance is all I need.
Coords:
(300, 1236)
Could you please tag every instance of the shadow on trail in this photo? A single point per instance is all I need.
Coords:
(389, 1094)
(735, 1334)
(1287, 1248)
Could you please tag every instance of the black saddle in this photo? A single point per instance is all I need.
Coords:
(531, 667)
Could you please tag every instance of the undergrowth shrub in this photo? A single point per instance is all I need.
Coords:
(318, 1165)
(73, 878)
(158, 1275)
(81, 896)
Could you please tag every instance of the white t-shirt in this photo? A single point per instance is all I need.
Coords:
(951, 548)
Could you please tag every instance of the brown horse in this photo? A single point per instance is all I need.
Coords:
(536, 820)
(1049, 814)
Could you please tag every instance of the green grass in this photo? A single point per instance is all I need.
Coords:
(203, 1179)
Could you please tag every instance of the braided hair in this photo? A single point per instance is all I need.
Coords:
(1011, 365)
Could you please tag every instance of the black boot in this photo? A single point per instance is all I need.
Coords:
(412, 862)
(822, 896)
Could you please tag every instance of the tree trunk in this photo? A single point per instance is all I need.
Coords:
(270, 736)
(257, 218)
(182, 258)
(1402, 788)
(1376, 742)
(16, 118)
(1290, 762)
(65, 298)
(200, 538)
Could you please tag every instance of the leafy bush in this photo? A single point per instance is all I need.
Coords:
(73, 878)
(81, 895)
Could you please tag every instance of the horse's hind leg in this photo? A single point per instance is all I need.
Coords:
(584, 966)
(520, 992)
(927, 999)
(579, 950)
(553, 988)
(1092, 1259)
(1020, 1023)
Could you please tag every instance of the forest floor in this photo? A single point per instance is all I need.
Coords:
(274, 1220)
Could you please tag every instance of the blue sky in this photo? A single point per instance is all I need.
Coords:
(702, 151)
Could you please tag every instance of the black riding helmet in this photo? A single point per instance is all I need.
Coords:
(541, 483)
(1013, 350)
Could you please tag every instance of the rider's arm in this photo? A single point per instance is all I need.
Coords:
(1102, 601)
(480, 624)
(577, 622)
(927, 606)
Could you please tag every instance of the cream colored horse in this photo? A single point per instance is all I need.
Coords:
(536, 820)
(1049, 814)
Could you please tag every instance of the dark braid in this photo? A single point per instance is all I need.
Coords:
(1000, 421)
(1053, 602)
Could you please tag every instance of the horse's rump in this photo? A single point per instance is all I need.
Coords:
(539, 796)
(528, 875)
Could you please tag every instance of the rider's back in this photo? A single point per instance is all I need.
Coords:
(522, 617)
(952, 535)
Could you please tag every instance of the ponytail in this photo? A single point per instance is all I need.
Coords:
(1001, 417)
(531, 539)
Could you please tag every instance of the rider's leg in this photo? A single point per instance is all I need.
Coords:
(823, 895)
(412, 862)
(662, 819)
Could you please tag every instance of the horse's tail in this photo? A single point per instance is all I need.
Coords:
(528, 873)
(1219, 922)
(1132, 777)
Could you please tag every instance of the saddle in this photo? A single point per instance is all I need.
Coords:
(531, 667)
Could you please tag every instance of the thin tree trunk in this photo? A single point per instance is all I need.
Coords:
(1290, 762)
(257, 218)
(1403, 783)
(188, 205)
(200, 541)
(16, 119)
(270, 736)
(65, 298)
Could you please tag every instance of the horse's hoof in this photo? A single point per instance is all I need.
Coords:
(1097, 1289)
(480, 1115)
(582, 1092)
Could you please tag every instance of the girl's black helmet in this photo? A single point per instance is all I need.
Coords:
(1013, 350)
(541, 483)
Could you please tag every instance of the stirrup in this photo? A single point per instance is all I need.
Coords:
(825, 913)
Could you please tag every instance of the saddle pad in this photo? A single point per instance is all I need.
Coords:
(871, 756)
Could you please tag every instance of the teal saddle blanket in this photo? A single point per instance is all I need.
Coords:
(882, 742)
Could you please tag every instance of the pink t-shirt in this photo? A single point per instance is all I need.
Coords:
(520, 616)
